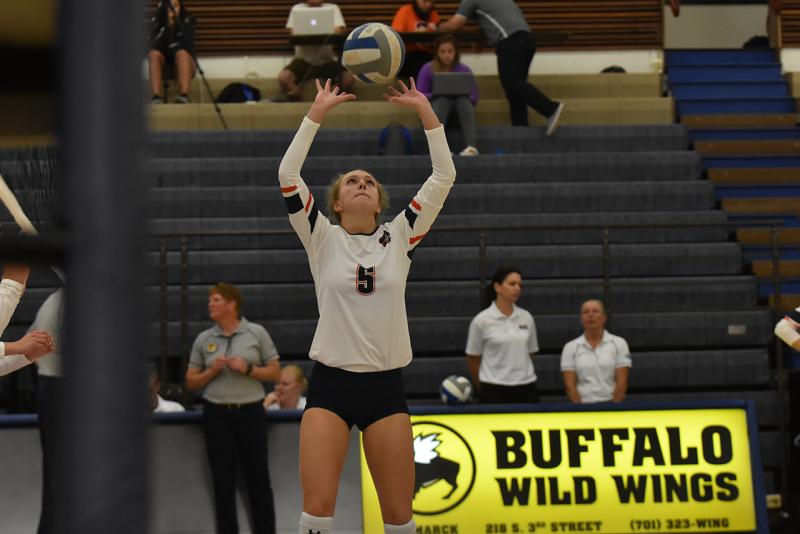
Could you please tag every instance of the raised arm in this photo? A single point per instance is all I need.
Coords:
(787, 329)
(425, 206)
(303, 212)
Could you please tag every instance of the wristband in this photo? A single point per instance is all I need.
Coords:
(249, 369)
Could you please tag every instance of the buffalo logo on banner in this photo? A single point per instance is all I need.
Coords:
(444, 468)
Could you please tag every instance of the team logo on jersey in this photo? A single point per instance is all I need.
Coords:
(211, 347)
(444, 468)
(523, 327)
(365, 280)
(385, 239)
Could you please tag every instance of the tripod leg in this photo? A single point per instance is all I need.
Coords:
(210, 94)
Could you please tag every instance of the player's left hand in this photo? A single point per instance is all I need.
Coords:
(405, 96)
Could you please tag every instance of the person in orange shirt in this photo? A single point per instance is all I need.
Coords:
(417, 16)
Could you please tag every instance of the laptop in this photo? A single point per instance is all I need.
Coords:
(313, 21)
(452, 83)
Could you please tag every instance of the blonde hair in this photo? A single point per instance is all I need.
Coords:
(299, 376)
(332, 197)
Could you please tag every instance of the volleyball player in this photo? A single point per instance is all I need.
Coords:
(787, 329)
(17, 354)
(361, 343)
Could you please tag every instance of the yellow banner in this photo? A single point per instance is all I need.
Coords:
(613, 472)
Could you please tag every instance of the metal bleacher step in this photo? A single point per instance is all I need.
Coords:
(763, 268)
(764, 236)
(755, 177)
(740, 120)
(741, 72)
(743, 134)
(718, 57)
(762, 205)
(736, 105)
(787, 303)
(726, 90)
(744, 147)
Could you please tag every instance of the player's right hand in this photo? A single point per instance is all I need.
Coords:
(36, 344)
(270, 399)
(327, 98)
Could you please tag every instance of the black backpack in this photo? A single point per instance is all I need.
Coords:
(395, 140)
(238, 92)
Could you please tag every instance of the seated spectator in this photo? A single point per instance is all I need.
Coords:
(288, 394)
(787, 329)
(448, 59)
(172, 50)
(417, 16)
(595, 366)
(156, 402)
(501, 344)
(313, 62)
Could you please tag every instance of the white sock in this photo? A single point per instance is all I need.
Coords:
(311, 524)
(406, 528)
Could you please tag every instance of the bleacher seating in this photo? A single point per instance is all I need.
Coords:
(242, 27)
(592, 99)
(678, 294)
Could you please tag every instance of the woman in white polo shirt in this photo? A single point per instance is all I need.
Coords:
(501, 344)
(595, 366)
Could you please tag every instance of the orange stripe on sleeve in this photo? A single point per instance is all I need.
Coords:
(415, 204)
(290, 189)
(416, 239)
(308, 204)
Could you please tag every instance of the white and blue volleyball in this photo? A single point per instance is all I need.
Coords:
(374, 53)
(455, 389)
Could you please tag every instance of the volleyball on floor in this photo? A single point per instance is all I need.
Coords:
(374, 53)
(455, 389)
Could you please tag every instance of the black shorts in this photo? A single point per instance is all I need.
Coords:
(496, 394)
(358, 398)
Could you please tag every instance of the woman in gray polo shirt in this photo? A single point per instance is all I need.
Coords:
(501, 344)
(231, 360)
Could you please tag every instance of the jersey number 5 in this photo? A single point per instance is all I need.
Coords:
(365, 280)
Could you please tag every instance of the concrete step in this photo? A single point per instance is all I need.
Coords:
(584, 111)
(555, 85)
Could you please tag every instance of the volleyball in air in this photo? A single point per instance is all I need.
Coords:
(374, 53)
(455, 389)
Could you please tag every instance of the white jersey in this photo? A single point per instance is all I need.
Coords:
(788, 328)
(360, 280)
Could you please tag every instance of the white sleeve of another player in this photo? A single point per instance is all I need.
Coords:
(10, 293)
(787, 328)
(9, 364)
